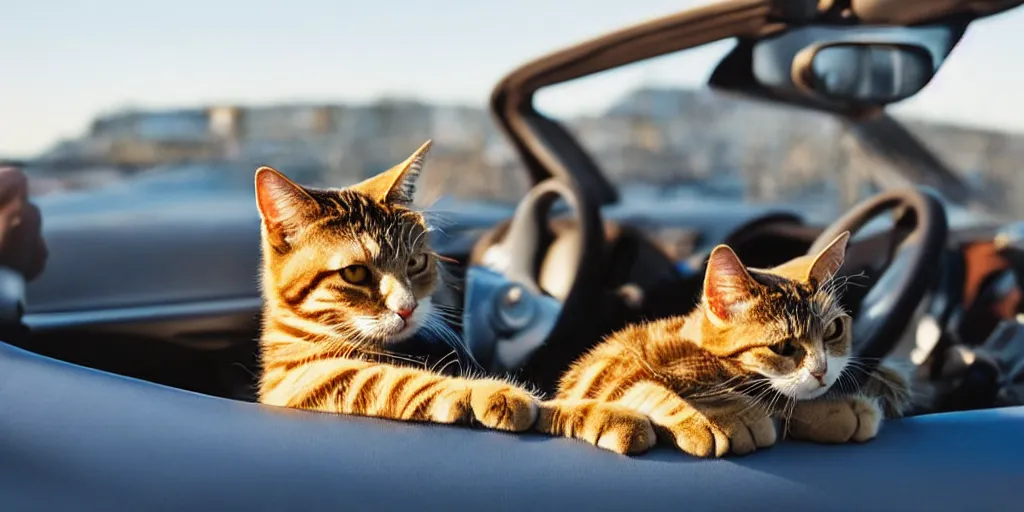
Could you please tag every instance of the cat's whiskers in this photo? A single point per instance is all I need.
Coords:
(449, 313)
(751, 394)
(717, 389)
(836, 285)
(439, 368)
(757, 400)
(896, 387)
(351, 341)
(439, 328)
(450, 319)
(869, 372)
(895, 364)
(368, 339)
(845, 382)
(445, 276)
(419, 236)
(787, 415)
(775, 397)
(436, 219)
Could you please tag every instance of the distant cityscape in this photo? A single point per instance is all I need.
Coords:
(665, 138)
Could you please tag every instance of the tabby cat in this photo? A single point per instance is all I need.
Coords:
(347, 274)
(762, 345)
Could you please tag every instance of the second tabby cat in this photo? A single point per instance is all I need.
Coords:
(762, 345)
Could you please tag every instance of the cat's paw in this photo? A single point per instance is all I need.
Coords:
(604, 424)
(841, 420)
(620, 430)
(717, 435)
(502, 406)
(452, 406)
(752, 431)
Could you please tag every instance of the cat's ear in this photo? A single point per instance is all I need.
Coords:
(282, 205)
(728, 287)
(396, 185)
(829, 260)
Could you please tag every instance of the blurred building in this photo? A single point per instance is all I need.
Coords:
(668, 138)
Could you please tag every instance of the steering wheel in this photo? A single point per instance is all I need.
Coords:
(910, 266)
(509, 322)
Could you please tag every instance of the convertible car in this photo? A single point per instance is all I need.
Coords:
(133, 388)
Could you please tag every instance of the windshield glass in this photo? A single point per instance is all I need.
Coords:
(661, 136)
(199, 118)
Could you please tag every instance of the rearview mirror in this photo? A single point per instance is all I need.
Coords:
(864, 73)
(852, 67)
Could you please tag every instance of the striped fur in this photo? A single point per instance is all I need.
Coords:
(762, 345)
(347, 275)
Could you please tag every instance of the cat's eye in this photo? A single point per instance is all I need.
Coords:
(834, 329)
(785, 349)
(417, 264)
(356, 274)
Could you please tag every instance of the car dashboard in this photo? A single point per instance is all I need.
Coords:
(180, 284)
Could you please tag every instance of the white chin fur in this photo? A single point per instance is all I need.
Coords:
(389, 327)
(801, 385)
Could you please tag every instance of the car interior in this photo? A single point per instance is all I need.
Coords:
(134, 388)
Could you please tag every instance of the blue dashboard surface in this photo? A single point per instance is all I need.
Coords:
(72, 438)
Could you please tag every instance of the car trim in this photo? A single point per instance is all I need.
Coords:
(132, 314)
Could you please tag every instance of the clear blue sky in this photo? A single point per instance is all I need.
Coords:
(64, 61)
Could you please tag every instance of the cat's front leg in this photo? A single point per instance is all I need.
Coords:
(702, 431)
(604, 424)
(835, 420)
(349, 386)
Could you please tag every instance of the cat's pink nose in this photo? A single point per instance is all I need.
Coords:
(406, 313)
(820, 375)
